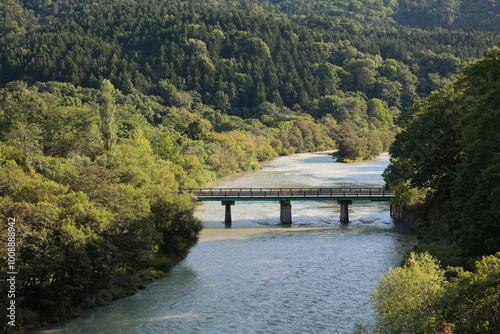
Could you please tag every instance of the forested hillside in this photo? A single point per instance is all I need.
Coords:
(466, 15)
(240, 50)
(482, 15)
(237, 56)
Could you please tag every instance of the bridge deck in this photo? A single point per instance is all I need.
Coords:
(282, 194)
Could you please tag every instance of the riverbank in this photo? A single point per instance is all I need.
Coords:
(238, 277)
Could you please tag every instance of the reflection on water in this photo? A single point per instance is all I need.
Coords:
(260, 277)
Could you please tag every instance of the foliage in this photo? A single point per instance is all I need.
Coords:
(407, 296)
(454, 14)
(475, 200)
(237, 58)
(472, 301)
(427, 152)
(107, 115)
(419, 297)
(449, 150)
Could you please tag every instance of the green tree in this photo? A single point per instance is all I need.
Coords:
(26, 137)
(379, 113)
(167, 91)
(406, 300)
(472, 300)
(107, 110)
(331, 104)
(428, 151)
(419, 297)
(475, 199)
(352, 148)
(166, 148)
(221, 101)
(329, 79)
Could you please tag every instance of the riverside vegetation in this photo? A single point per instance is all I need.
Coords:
(445, 165)
(92, 178)
(108, 109)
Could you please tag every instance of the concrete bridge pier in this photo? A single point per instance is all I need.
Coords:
(344, 211)
(285, 212)
(227, 220)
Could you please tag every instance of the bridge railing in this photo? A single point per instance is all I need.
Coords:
(288, 192)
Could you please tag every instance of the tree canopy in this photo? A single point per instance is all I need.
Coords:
(236, 56)
(420, 297)
(449, 152)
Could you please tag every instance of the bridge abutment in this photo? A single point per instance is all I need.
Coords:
(228, 220)
(285, 212)
(344, 211)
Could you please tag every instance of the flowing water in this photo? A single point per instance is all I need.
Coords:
(260, 277)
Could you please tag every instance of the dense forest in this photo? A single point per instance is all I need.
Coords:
(466, 15)
(108, 109)
(445, 165)
(237, 56)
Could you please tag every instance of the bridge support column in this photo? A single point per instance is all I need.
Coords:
(227, 220)
(344, 211)
(285, 212)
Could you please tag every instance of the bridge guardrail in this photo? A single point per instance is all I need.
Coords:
(287, 192)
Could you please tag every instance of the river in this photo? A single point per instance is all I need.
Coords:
(260, 277)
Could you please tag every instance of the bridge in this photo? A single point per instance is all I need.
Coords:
(344, 197)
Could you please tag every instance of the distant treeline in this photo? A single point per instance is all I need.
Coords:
(235, 55)
(466, 15)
